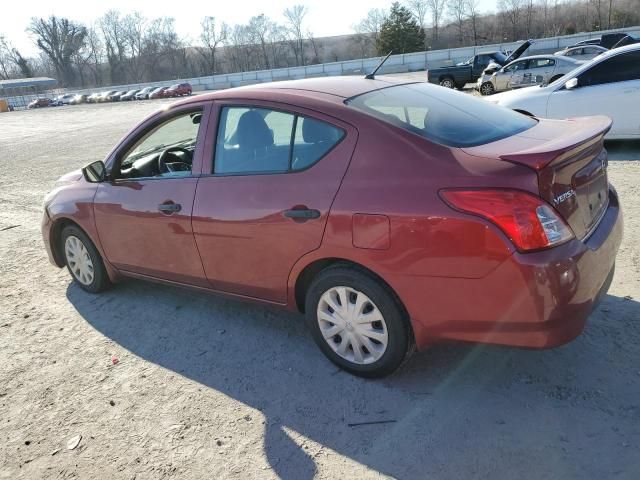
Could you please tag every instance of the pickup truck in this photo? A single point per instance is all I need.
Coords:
(459, 75)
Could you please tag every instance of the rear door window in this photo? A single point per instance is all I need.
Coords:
(260, 140)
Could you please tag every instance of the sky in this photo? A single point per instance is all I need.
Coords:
(325, 17)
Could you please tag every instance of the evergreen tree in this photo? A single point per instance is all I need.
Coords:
(400, 32)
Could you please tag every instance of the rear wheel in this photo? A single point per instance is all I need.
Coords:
(487, 88)
(447, 82)
(357, 322)
(83, 260)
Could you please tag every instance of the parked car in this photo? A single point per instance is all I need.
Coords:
(130, 95)
(469, 72)
(158, 93)
(106, 96)
(626, 40)
(582, 53)
(41, 102)
(94, 97)
(178, 90)
(607, 85)
(115, 96)
(590, 41)
(608, 40)
(483, 228)
(65, 99)
(535, 70)
(79, 98)
(144, 93)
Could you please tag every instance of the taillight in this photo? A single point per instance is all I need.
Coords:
(528, 221)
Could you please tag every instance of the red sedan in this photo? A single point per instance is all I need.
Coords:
(178, 90)
(392, 214)
(159, 92)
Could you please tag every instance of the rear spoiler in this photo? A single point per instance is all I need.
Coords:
(592, 130)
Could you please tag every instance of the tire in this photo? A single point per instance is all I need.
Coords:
(93, 278)
(447, 82)
(393, 341)
(487, 88)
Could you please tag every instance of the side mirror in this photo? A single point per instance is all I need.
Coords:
(95, 172)
(571, 84)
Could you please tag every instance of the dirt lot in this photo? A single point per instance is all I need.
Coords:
(212, 388)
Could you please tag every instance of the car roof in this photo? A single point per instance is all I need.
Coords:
(338, 86)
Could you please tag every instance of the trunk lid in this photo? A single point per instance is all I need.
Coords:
(570, 161)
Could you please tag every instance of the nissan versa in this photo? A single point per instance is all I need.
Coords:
(394, 215)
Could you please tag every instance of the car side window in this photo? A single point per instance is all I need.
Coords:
(514, 67)
(312, 140)
(621, 68)
(541, 62)
(166, 150)
(261, 140)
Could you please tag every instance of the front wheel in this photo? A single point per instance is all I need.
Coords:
(487, 88)
(447, 82)
(83, 260)
(357, 323)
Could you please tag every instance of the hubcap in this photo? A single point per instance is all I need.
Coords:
(447, 83)
(78, 260)
(352, 325)
(486, 89)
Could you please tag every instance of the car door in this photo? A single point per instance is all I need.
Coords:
(143, 212)
(610, 87)
(266, 198)
(539, 70)
(512, 75)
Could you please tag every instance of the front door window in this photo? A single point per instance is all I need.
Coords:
(167, 150)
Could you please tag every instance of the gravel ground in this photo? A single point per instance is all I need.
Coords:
(211, 388)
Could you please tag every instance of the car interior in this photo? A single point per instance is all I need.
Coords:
(167, 150)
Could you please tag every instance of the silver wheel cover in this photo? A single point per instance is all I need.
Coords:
(79, 260)
(352, 325)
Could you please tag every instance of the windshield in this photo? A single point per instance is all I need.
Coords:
(442, 115)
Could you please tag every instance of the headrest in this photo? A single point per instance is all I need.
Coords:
(253, 131)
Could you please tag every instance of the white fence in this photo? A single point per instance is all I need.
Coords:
(408, 62)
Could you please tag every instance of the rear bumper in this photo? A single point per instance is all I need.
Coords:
(534, 300)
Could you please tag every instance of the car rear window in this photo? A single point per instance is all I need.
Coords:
(442, 115)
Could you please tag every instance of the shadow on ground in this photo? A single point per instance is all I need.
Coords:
(459, 411)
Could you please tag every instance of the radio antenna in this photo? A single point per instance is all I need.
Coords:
(372, 75)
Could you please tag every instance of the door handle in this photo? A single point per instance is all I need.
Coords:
(169, 207)
(302, 213)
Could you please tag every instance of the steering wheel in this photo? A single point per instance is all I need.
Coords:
(163, 165)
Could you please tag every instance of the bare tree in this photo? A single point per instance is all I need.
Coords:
(259, 28)
(368, 29)
(295, 20)
(511, 10)
(212, 37)
(60, 39)
(5, 58)
(437, 12)
(457, 10)
(419, 8)
(473, 14)
(114, 36)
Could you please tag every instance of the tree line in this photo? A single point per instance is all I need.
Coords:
(131, 48)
